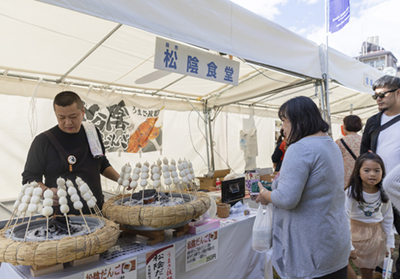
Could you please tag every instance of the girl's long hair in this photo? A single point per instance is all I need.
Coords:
(355, 184)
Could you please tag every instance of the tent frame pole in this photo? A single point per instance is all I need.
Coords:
(89, 53)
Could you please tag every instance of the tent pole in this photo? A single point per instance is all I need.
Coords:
(322, 101)
(89, 53)
(328, 111)
(211, 143)
(206, 120)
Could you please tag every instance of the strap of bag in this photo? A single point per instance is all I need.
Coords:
(61, 151)
(348, 149)
(375, 133)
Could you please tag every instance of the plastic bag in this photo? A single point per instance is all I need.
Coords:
(387, 265)
(262, 230)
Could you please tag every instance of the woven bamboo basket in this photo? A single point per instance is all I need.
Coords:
(51, 252)
(156, 217)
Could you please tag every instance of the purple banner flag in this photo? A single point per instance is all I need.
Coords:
(339, 14)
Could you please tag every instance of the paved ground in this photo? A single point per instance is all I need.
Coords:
(395, 255)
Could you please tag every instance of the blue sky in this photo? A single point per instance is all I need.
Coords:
(307, 17)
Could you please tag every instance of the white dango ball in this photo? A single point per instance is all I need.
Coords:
(91, 203)
(176, 180)
(64, 208)
(16, 204)
(128, 169)
(69, 183)
(123, 168)
(60, 181)
(20, 195)
(35, 199)
(78, 181)
(87, 196)
(125, 183)
(173, 162)
(184, 180)
(34, 184)
(84, 188)
(157, 183)
(159, 162)
(48, 194)
(145, 169)
(146, 164)
(120, 180)
(138, 165)
(144, 175)
(135, 177)
(26, 199)
(63, 200)
(72, 191)
(136, 170)
(48, 202)
(156, 176)
(126, 176)
(133, 184)
(174, 174)
(94, 198)
(61, 193)
(24, 187)
(29, 191)
(165, 168)
(168, 181)
(75, 198)
(121, 174)
(32, 208)
(172, 168)
(165, 161)
(180, 167)
(182, 173)
(143, 182)
(166, 174)
(47, 211)
(37, 192)
(22, 207)
(190, 165)
(155, 169)
(78, 205)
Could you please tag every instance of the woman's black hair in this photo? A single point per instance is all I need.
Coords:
(304, 116)
(281, 137)
(352, 123)
(355, 183)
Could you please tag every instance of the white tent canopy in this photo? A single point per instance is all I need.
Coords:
(107, 47)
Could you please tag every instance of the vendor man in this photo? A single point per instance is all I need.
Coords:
(68, 150)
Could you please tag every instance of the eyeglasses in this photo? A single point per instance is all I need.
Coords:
(383, 94)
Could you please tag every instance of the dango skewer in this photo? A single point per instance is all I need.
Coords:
(33, 205)
(64, 208)
(47, 208)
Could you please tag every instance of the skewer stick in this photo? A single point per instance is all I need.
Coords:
(10, 220)
(143, 196)
(66, 219)
(98, 211)
(23, 218)
(123, 196)
(80, 210)
(27, 226)
(47, 232)
(16, 220)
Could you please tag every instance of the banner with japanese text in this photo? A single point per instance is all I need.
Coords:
(125, 125)
(179, 58)
(201, 249)
(126, 269)
(160, 264)
(339, 14)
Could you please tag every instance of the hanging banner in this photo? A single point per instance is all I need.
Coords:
(125, 125)
(201, 249)
(126, 269)
(160, 264)
(339, 14)
(179, 58)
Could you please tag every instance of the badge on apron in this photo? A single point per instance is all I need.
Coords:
(71, 160)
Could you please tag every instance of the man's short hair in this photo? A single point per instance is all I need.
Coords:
(67, 98)
(352, 123)
(386, 81)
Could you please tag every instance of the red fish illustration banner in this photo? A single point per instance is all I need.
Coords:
(127, 126)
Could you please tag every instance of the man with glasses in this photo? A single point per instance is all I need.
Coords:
(382, 132)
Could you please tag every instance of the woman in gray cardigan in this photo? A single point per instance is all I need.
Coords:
(311, 233)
